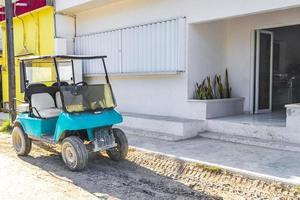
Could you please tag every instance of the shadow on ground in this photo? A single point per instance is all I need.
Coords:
(124, 180)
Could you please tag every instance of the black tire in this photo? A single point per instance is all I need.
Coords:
(20, 141)
(120, 151)
(74, 153)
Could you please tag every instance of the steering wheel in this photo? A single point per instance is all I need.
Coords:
(76, 89)
(79, 91)
(81, 83)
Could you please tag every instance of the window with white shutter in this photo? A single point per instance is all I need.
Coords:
(154, 47)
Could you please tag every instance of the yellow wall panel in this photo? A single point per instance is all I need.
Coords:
(33, 35)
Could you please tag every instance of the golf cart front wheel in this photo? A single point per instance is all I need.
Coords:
(20, 140)
(74, 153)
(120, 151)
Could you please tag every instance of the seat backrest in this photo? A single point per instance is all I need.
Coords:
(38, 92)
(57, 93)
(34, 88)
(58, 100)
(42, 101)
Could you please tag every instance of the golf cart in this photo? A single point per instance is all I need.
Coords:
(59, 108)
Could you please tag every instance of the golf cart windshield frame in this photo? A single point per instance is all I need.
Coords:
(55, 60)
(63, 57)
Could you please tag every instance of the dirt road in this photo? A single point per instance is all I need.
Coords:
(42, 175)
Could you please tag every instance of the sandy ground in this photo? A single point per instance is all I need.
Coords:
(143, 175)
(42, 175)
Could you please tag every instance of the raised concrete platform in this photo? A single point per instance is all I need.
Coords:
(263, 130)
(251, 130)
(278, 145)
(168, 128)
(246, 159)
(151, 134)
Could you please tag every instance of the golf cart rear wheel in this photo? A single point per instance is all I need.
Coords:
(20, 140)
(120, 151)
(74, 153)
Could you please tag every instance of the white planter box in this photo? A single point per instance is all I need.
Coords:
(218, 107)
(293, 117)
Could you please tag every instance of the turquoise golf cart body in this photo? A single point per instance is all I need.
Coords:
(57, 126)
(59, 109)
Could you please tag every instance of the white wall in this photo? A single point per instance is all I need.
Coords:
(131, 12)
(230, 41)
(240, 47)
(206, 52)
(157, 95)
(71, 6)
(65, 28)
(61, 5)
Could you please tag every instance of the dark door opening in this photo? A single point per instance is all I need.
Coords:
(277, 68)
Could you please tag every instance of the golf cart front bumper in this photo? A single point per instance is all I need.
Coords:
(104, 139)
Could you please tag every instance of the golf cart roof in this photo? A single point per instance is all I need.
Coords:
(73, 57)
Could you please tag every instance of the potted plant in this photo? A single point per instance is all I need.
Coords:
(215, 98)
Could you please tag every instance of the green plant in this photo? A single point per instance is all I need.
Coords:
(204, 90)
(220, 87)
(5, 127)
(200, 90)
(210, 94)
(215, 86)
(215, 89)
(228, 89)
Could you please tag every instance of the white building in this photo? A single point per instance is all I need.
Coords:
(159, 49)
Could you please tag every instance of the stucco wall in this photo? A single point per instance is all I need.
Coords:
(206, 52)
(212, 46)
(70, 6)
(240, 48)
(65, 29)
(151, 94)
(229, 43)
(129, 12)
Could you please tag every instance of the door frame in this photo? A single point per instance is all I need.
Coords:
(253, 54)
(257, 57)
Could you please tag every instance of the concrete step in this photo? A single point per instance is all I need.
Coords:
(235, 129)
(264, 132)
(279, 145)
(169, 128)
(151, 134)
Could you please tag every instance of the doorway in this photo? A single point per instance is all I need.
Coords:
(277, 68)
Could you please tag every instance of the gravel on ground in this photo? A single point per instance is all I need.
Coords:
(142, 175)
(42, 175)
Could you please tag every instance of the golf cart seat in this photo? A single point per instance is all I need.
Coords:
(44, 106)
(41, 101)
(57, 94)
